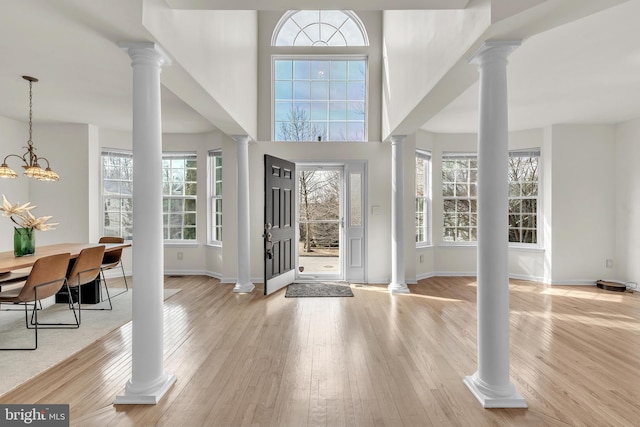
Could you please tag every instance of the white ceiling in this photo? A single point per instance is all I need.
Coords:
(315, 4)
(586, 71)
(71, 47)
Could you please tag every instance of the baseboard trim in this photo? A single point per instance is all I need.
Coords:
(573, 282)
(233, 280)
(186, 273)
(525, 277)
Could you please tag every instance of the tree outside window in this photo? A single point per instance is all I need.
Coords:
(117, 194)
(459, 179)
(523, 197)
(179, 189)
(423, 197)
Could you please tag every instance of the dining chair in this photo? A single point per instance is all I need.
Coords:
(12, 280)
(46, 278)
(86, 269)
(112, 259)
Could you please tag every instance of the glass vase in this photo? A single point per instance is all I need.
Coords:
(24, 241)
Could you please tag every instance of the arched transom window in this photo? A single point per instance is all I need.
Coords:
(320, 28)
(319, 94)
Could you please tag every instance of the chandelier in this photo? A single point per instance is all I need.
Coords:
(31, 161)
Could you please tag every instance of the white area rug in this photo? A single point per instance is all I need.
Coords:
(55, 345)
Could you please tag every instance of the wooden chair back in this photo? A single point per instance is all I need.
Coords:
(48, 274)
(86, 267)
(112, 257)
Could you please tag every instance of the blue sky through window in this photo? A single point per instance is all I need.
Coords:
(319, 98)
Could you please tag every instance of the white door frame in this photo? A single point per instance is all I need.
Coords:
(346, 167)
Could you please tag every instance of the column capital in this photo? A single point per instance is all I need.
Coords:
(397, 139)
(146, 53)
(494, 50)
(241, 139)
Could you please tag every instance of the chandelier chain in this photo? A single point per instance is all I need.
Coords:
(30, 142)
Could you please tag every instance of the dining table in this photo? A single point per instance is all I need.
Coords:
(14, 269)
(9, 262)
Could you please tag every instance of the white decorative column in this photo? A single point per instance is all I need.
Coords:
(491, 383)
(398, 283)
(244, 243)
(148, 381)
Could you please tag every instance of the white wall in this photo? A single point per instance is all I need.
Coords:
(14, 137)
(68, 148)
(590, 198)
(71, 150)
(223, 261)
(581, 202)
(419, 48)
(627, 185)
(216, 48)
(197, 257)
(378, 157)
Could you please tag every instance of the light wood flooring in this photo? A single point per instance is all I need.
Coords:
(371, 360)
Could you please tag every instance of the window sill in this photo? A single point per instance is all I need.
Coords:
(424, 246)
(214, 245)
(527, 248)
(181, 243)
(521, 248)
(458, 244)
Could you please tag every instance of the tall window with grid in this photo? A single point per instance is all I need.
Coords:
(179, 186)
(523, 196)
(459, 178)
(423, 197)
(117, 194)
(460, 213)
(215, 196)
(319, 99)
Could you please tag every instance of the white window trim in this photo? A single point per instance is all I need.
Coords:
(210, 197)
(103, 152)
(180, 154)
(352, 15)
(425, 154)
(107, 151)
(537, 152)
(442, 159)
(536, 247)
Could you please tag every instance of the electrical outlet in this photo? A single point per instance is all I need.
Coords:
(180, 256)
(609, 263)
(421, 259)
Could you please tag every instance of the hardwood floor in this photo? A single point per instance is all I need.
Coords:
(371, 360)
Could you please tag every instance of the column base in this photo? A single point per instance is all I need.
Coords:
(147, 397)
(398, 288)
(493, 399)
(244, 288)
